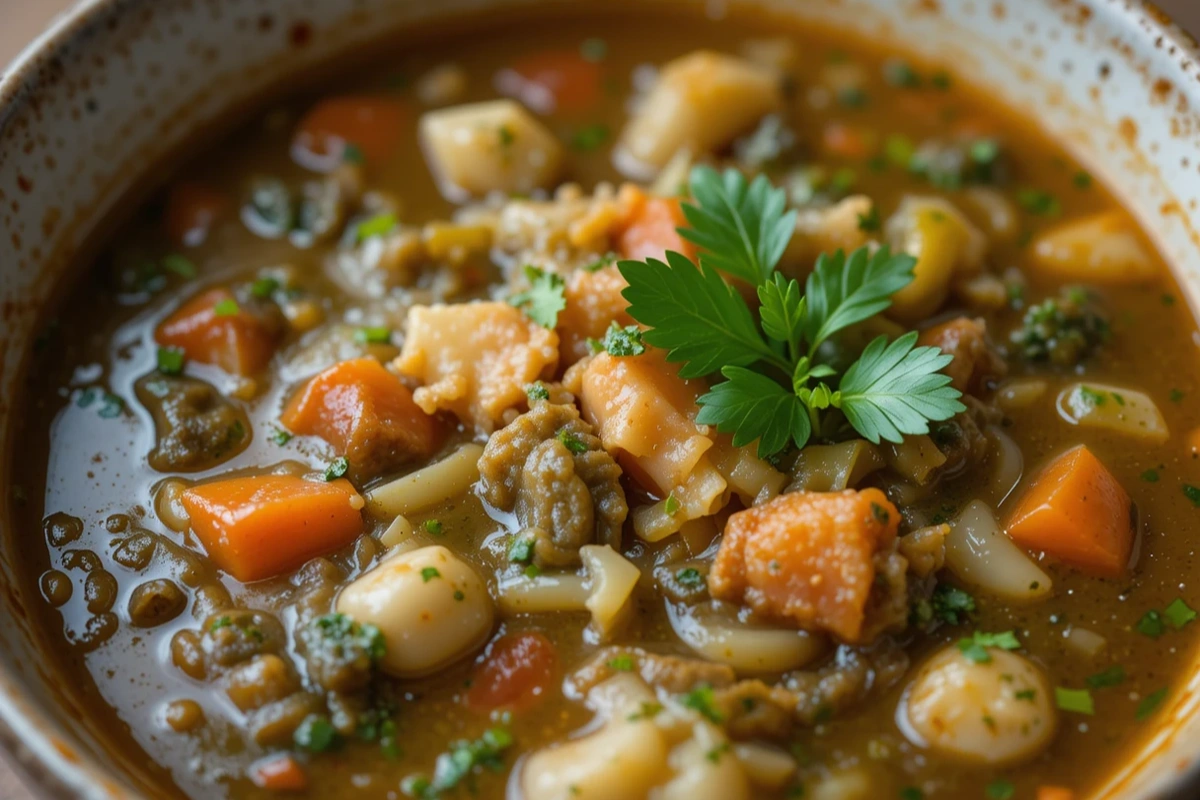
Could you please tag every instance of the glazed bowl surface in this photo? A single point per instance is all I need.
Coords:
(96, 107)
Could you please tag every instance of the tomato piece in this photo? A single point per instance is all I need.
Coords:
(373, 125)
(192, 208)
(514, 676)
(552, 80)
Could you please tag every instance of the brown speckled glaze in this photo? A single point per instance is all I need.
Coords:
(97, 106)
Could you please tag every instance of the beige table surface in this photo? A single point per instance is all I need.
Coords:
(21, 20)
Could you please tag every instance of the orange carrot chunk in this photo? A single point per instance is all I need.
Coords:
(594, 302)
(553, 80)
(372, 125)
(192, 208)
(279, 773)
(517, 673)
(213, 328)
(650, 230)
(1077, 512)
(366, 413)
(1055, 793)
(807, 558)
(261, 526)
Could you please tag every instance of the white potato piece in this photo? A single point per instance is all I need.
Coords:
(705, 769)
(994, 713)
(700, 102)
(1021, 393)
(430, 606)
(766, 767)
(612, 578)
(1007, 466)
(945, 244)
(748, 649)
(981, 555)
(1113, 408)
(428, 486)
(496, 146)
(1100, 248)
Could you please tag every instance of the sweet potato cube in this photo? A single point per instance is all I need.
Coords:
(212, 328)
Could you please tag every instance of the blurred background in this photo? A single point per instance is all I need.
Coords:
(22, 20)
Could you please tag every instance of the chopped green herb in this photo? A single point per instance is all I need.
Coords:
(537, 391)
(1039, 203)
(520, 549)
(532, 571)
(1082, 180)
(464, 759)
(264, 288)
(1151, 624)
(171, 360)
(111, 407)
(180, 265)
(911, 793)
(1150, 476)
(590, 137)
(459, 596)
(1028, 695)
(338, 638)
(870, 222)
(506, 136)
(951, 604)
(226, 308)
(621, 663)
(941, 80)
(899, 150)
(1000, 789)
(900, 74)
(429, 573)
(975, 648)
(1077, 701)
(337, 468)
(544, 298)
(281, 437)
(1150, 704)
(606, 260)
(1175, 396)
(984, 151)
(671, 505)
(433, 527)
(572, 442)
(626, 341)
(1192, 493)
(378, 334)
(220, 622)
(1168, 299)
(315, 734)
(648, 709)
(1179, 613)
(1107, 678)
(378, 225)
(690, 577)
(703, 700)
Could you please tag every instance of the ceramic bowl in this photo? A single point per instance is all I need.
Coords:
(116, 87)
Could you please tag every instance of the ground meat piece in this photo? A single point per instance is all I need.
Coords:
(196, 426)
(807, 558)
(977, 364)
(754, 709)
(962, 438)
(549, 468)
(674, 674)
(155, 602)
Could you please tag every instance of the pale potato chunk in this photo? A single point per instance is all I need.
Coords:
(489, 147)
(1124, 411)
(945, 244)
(1101, 248)
(475, 359)
(700, 102)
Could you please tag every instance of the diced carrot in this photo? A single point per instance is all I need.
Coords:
(373, 125)
(213, 328)
(1054, 793)
(1076, 511)
(594, 302)
(553, 81)
(261, 526)
(192, 208)
(650, 229)
(846, 141)
(366, 413)
(806, 558)
(516, 673)
(279, 773)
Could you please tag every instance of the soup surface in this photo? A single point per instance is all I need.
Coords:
(400, 447)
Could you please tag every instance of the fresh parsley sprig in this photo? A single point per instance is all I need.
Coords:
(777, 387)
(544, 299)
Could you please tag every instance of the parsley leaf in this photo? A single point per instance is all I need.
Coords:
(975, 648)
(625, 341)
(1150, 704)
(1112, 676)
(742, 228)
(843, 291)
(754, 406)
(544, 298)
(783, 311)
(694, 315)
(896, 389)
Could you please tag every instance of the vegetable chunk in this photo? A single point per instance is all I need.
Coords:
(475, 359)
(700, 102)
(489, 147)
(594, 302)
(261, 526)
(806, 557)
(372, 125)
(651, 229)
(976, 362)
(213, 328)
(1077, 512)
(366, 413)
(1102, 248)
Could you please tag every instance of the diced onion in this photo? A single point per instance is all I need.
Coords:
(766, 767)
(833, 467)
(1085, 642)
(747, 649)
(612, 578)
(981, 555)
(542, 594)
(428, 486)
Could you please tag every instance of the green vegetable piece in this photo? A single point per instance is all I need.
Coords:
(378, 225)
(703, 700)
(315, 734)
(377, 334)
(226, 308)
(626, 341)
(1077, 701)
(1112, 676)
(429, 573)
(1179, 613)
(1151, 624)
(171, 360)
(590, 137)
(1150, 704)
(337, 468)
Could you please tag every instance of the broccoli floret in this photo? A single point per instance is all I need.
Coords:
(1063, 330)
